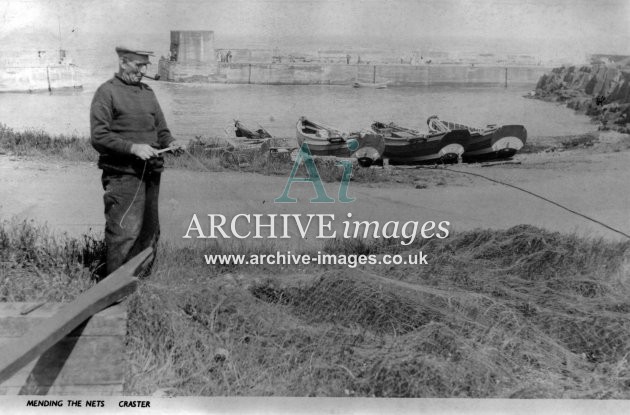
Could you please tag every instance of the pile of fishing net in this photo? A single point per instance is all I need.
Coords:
(516, 307)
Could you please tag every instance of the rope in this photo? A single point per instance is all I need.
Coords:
(536, 195)
(144, 167)
(498, 182)
(142, 178)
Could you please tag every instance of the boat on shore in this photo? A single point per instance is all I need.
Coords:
(408, 146)
(322, 140)
(490, 142)
(243, 132)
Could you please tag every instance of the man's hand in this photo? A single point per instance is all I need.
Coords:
(143, 151)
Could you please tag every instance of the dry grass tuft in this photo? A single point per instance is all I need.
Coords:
(36, 265)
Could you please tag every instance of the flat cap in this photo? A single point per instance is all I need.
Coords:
(135, 54)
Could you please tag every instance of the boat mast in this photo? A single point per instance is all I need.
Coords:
(62, 53)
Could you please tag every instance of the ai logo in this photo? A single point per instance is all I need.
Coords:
(304, 156)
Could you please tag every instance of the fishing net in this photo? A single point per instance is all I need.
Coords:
(508, 301)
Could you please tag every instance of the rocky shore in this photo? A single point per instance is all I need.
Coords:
(600, 90)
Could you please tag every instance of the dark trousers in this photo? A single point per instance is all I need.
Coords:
(131, 216)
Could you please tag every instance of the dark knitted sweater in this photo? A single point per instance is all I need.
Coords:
(123, 114)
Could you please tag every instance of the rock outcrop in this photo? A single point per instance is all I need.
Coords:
(601, 91)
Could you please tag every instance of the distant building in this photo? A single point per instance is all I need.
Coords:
(191, 56)
(191, 46)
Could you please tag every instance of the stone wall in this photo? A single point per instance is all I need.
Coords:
(344, 74)
(33, 79)
(188, 72)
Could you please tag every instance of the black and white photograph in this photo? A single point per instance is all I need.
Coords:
(314, 206)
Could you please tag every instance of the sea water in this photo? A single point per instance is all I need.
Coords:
(209, 110)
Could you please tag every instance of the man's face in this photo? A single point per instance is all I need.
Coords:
(133, 69)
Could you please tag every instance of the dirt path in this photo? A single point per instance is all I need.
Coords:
(68, 197)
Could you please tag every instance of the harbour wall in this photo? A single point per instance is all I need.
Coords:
(32, 79)
(345, 74)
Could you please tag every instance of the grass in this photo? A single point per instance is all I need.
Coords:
(209, 154)
(518, 313)
(36, 265)
(203, 154)
(37, 143)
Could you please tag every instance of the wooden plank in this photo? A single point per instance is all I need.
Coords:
(13, 327)
(78, 359)
(109, 322)
(116, 286)
(93, 390)
(49, 309)
(14, 309)
(83, 361)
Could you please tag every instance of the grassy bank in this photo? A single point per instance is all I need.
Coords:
(38, 143)
(521, 313)
(206, 155)
(36, 265)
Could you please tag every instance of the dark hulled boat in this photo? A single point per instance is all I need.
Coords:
(407, 146)
(241, 131)
(323, 140)
(490, 142)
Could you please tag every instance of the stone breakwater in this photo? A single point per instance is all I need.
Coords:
(42, 78)
(346, 74)
(601, 91)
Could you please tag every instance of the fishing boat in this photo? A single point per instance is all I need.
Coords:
(322, 140)
(408, 146)
(381, 85)
(490, 142)
(241, 131)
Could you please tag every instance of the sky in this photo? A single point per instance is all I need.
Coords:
(551, 27)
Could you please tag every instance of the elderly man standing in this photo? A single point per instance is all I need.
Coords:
(127, 129)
